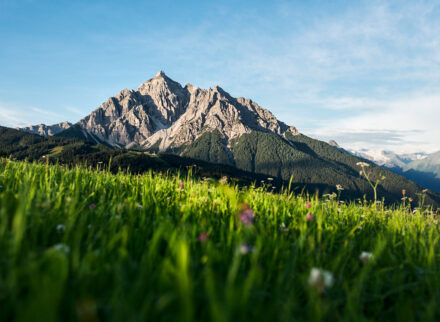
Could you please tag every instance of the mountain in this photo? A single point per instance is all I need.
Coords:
(421, 168)
(388, 159)
(46, 130)
(425, 172)
(429, 164)
(161, 116)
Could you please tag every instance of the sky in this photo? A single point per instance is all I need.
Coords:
(363, 73)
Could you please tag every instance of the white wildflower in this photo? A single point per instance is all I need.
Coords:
(61, 228)
(339, 187)
(62, 248)
(362, 164)
(245, 249)
(320, 279)
(365, 257)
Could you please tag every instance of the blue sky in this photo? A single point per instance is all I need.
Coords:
(365, 73)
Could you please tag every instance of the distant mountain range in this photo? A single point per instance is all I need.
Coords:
(422, 168)
(161, 116)
(46, 130)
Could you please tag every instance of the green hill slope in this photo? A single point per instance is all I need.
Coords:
(309, 161)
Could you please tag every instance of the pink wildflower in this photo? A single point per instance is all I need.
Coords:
(180, 185)
(4, 163)
(92, 206)
(203, 237)
(309, 217)
(247, 217)
(308, 205)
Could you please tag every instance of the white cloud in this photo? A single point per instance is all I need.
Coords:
(19, 116)
(407, 124)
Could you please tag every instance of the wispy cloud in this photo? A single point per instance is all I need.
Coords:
(406, 124)
(19, 116)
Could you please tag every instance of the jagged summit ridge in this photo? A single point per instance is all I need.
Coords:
(46, 130)
(161, 112)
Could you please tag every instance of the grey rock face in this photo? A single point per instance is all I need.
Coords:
(46, 130)
(161, 110)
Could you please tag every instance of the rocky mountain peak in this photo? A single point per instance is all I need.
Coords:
(163, 113)
(160, 73)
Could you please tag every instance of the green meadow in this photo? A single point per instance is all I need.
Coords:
(83, 244)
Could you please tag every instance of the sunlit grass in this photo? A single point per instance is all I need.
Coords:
(89, 245)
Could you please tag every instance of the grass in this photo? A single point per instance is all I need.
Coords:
(85, 245)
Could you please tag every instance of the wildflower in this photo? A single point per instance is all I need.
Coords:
(61, 228)
(425, 190)
(223, 180)
(270, 179)
(403, 192)
(140, 207)
(410, 199)
(284, 228)
(247, 217)
(339, 187)
(365, 257)
(62, 248)
(362, 164)
(4, 163)
(92, 206)
(203, 237)
(309, 217)
(180, 184)
(308, 205)
(320, 279)
(245, 249)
